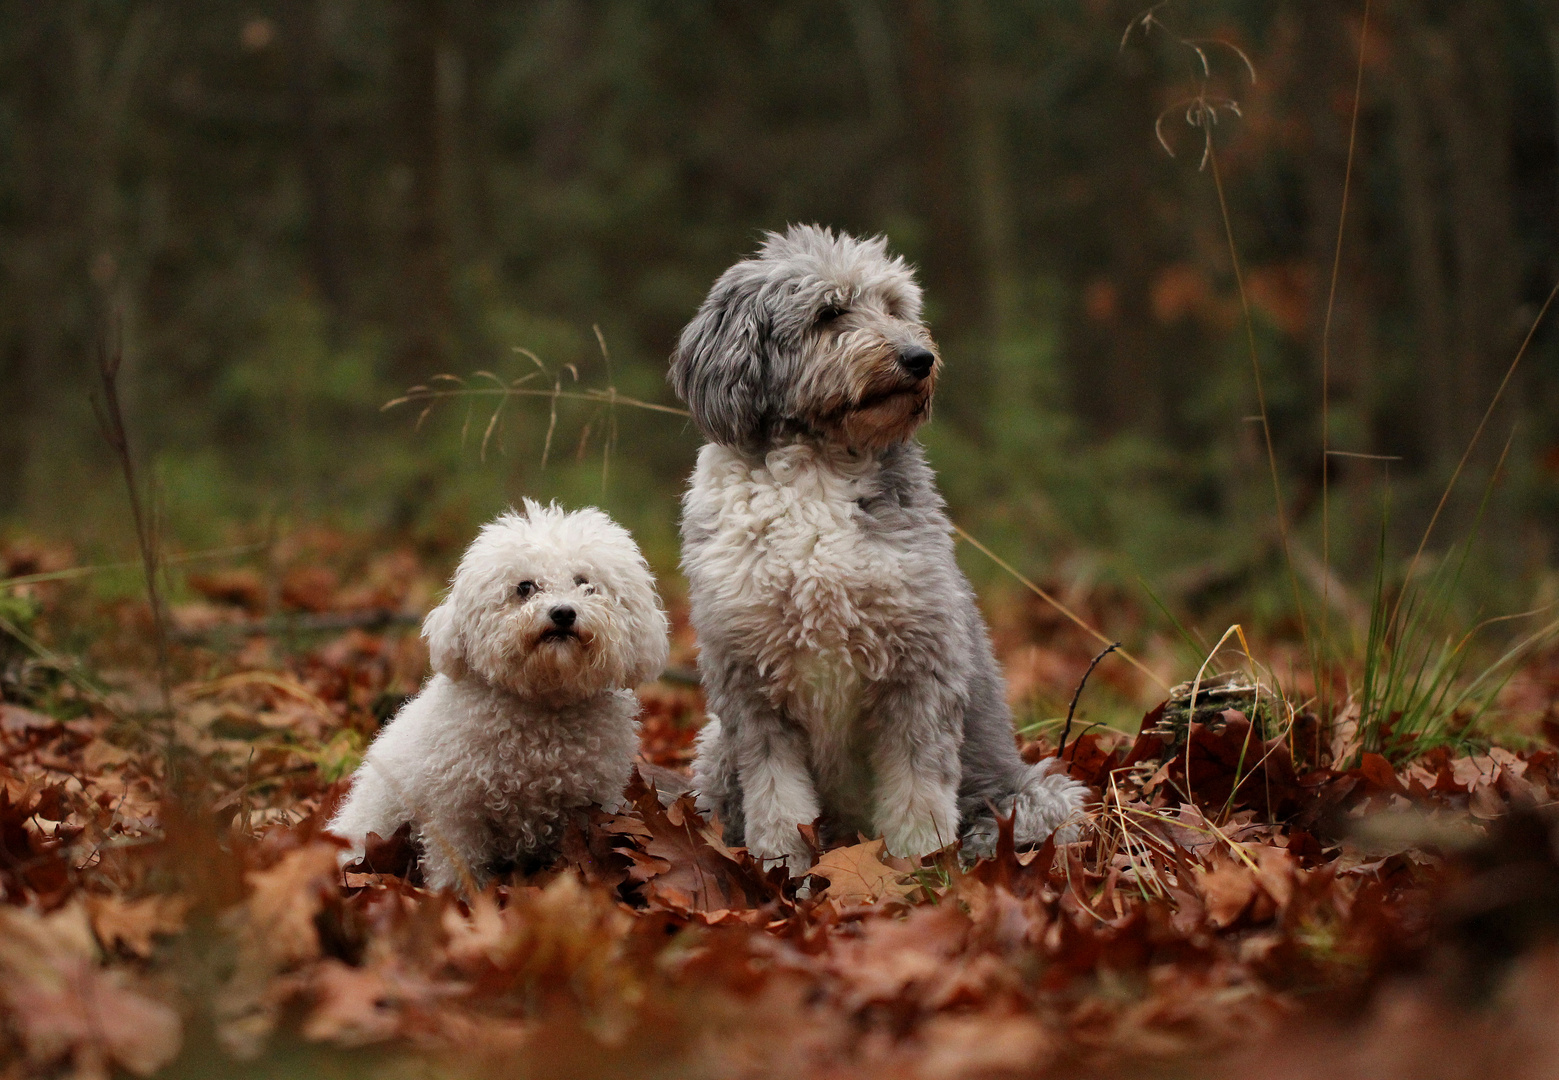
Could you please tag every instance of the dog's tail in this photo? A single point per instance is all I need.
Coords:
(1048, 801)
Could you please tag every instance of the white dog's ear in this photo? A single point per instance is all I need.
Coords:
(648, 630)
(654, 647)
(446, 648)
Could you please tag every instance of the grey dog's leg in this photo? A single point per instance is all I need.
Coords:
(777, 795)
(767, 756)
(777, 790)
(915, 758)
(773, 777)
(995, 777)
(714, 778)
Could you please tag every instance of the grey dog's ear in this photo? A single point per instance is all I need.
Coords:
(446, 648)
(721, 366)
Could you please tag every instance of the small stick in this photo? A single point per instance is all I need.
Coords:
(1072, 708)
(144, 518)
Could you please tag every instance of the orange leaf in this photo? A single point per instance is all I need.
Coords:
(857, 875)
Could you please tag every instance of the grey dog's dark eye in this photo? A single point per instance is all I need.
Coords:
(829, 314)
(524, 589)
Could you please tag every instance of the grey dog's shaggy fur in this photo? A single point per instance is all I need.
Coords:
(848, 671)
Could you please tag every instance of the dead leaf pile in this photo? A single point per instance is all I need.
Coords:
(1239, 906)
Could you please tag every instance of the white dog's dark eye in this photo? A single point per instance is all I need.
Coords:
(829, 314)
(524, 589)
(580, 579)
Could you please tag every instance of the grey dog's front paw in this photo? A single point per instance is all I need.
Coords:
(978, 841)
(1049, 805)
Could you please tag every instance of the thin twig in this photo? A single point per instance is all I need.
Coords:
(1072, 708)
(111, 417)
(1326, 371)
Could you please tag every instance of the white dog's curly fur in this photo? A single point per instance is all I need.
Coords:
(848, 672)
(551, 619)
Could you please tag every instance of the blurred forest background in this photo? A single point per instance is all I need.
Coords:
(290, 211)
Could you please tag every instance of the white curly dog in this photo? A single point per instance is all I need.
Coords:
(551, 619)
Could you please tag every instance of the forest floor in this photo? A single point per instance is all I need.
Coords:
(1243, 906)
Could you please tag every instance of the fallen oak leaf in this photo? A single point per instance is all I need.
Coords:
(277, 931)
(1378, 771)
(130, 925)
(14, 720)
(356, 1006)
(683, 865)
(919, 959)
(857, 875)
(63, 1005)
(394, 854)
(1227, 890)
(979, 1045)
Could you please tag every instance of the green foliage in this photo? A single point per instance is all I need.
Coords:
(1425, 681)
(18, 610)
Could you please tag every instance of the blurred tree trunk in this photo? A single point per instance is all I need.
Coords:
(1326, 72)
(71, 261)
(938, 115)
(560, 139)
(422, 305)
(37, 260)
(992, 196)
(476, 44)
(1553, 60)
(874, 46)
(306, 46)
(1118, 377)
(1465, 86)
(1420, 179)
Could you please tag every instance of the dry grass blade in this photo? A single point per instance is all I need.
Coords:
(71, 572)
(1261, 402)
(428, 394)
(111, 417)
(1326, 365)
(63, 665)
(1471, 444)
(1202, 112)
(610, 442)
(1072, 616)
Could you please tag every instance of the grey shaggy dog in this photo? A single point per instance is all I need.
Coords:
(848, 671)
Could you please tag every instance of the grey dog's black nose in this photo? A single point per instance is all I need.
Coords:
(562, 617)
(917, 361)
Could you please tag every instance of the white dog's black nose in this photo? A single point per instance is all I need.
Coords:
(562, 617)
(917, 361)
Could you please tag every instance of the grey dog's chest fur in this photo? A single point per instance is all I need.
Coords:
(819, 571)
